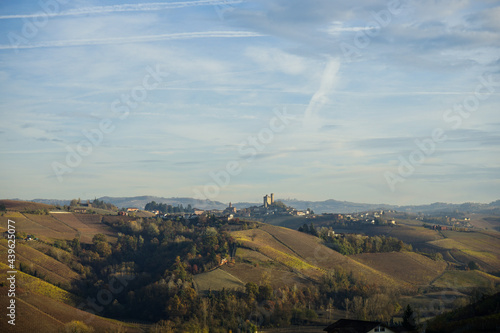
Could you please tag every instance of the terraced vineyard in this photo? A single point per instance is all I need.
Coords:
(304, 254)
(43, 228)
(404, 266)
(217, 279)
(53, 270)
(481, 247)
(49, 308)
(87, 225)
(465, 279)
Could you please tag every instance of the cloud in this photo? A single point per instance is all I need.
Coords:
(336, 28)
(320, 97)
(135, 39)
(124, 8)
(277, 60)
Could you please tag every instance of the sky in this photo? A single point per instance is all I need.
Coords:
(374, 101)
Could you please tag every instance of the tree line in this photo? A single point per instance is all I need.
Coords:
(349, 244)
(165, 208)
(158, 258)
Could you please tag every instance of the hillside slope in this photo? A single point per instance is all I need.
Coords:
(405, 266)
(304, 254)
(48, 267)
(58, 225)
(45, 308)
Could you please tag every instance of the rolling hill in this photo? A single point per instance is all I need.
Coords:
(62, 225)
(52, 270)
(43, 307)
(305, 256)
(325, 206)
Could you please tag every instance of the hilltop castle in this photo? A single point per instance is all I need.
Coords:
(268, 200)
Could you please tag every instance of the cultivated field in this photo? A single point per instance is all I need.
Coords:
(481, 247)
(465, 279)
(16, 205)
(404, 266)
(58, 226)
(43, 307)
(45, 230)
(263, 242)
(276, 274)
(53, 270)
(304, 254)
(217, 279)
(87, 225)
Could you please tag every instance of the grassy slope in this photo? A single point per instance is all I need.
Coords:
(304, 254)
(17, 205)
(405, 266)
(253, 266)
(53, 270)
(44, 307)
(481, 247)
(216, 280)
(58, 226)
(465, 279)
(86, 225)
(29, 226)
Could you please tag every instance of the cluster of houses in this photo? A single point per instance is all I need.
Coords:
(27, 238)
(363, 218)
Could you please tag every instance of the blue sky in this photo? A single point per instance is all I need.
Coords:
(357, 83)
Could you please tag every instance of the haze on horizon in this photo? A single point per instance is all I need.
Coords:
(368, 101)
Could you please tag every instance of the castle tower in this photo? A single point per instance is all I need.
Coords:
(272, 198)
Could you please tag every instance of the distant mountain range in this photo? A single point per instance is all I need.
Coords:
(327, 206)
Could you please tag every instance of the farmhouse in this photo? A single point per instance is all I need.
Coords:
(132, 210)
(198, 212)
(356, 326)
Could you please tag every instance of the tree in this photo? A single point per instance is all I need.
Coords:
(304, 228)
(103, 249)
(251, 288)
(472, 265)
(98, 238)
(312, 230)
(409, 318)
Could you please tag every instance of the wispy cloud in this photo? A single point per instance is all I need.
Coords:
(135, 39)
(154, 6)
(337, 28)
(328, 81)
